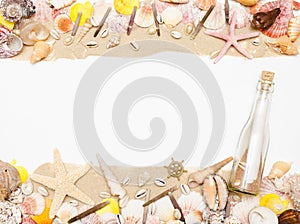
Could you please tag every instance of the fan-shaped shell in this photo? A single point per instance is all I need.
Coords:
(43, 12)
(242, 15)
(290, 186)
(32, 32)
(204, 4)
(171, 16)
(164, 209)
(241, 210)
(33, 204)
(294, 28)
(189, 12)
(63, 23)
(191, 203)
(268, 186)
(133, 212)
(92, 218)
(66, 211)
(144, 16)
(216, 19)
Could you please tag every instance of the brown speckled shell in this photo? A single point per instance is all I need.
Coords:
(9, 179)
(290, 216)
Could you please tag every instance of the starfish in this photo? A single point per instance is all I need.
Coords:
(232, 39)
(63, 184)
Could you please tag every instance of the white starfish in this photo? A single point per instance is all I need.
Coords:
(232, 39)
(63, 184)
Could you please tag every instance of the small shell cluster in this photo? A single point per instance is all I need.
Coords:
(15, 10)
(10, 213)
(290, 186)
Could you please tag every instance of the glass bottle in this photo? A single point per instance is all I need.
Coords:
(249, 162)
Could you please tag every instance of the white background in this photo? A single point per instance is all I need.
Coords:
(37, 103)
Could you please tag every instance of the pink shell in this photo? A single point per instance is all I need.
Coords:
(242, 15)
(204, 4)
(92, 218)
(280, 26)
(189, 12)
(267, 186)
(33, 204)
(43, 11)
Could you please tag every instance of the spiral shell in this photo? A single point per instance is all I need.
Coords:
(14, 10)
(280, 168)
(32, 32)
(294, 28)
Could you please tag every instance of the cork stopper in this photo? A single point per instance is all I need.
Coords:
(267, 76)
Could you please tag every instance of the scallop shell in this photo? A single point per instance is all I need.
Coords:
(195, 217)
(241, 210)
(133, 212)
(58, 4)
(280, 168)
(66, 211)
(63, 23)
(290, 216)
(290, 186)
(32, 32)
(216, 19)
(242, 14)
(262, 215)
(27, 220)
(294, 28)
(268, 186)
(9, 176)
(33, 204)
(215, 192)
(191, 203)
(117, 23)
(108, 218)
(189, 12)
(164, 209)
(144, 16)
(43, 12)
(171, 17)
(92, 218)
(204, 4)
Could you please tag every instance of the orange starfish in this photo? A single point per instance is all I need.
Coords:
(232, 39)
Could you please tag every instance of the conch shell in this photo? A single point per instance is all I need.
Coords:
(264, 20)
(279, 168)
(41, 50)
(283, 45)
(9, 180)
(195, 179)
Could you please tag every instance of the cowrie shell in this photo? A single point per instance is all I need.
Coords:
(141, 193)
(185, 189)
(105, 194)
(43, 191)
(160, 182)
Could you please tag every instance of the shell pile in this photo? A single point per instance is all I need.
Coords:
(10, 44)
(14, 10)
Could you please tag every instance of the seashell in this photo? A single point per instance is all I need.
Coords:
(215, 192)
(279, 168)
(242, 15)
(290, 186)
(185, 189)
(27, 220)
(280, 26)
(33, 204)
(160, 182)
(241, 210)
(134, 46)
(44, 217)
(92, 218)
(176, 1)
(105, 194)
(159, 19)
(10, 213)
(216, 19)
(68, 40)
(151, 30)
(92, 44)
(204, 4)
(133, 211)
(191, 203)
(171, 17)
(108, 218)
(164, 209)
(195, 217)
(104, 33)
(262, 215)
(84, 30)
(113, 42)
(58, 4)
(274, 203)
(117, 23)
(94, 21)
(16, 196)
(268, 186)
(177, 214)
(143, 178)
(290, 216)
(294, 28)
(74, 203)
(197, 178)
(63, 23)
(144, 16)
(151, 209)
(214, 217)
(55, 34)
(43, 191)
(125, 181)
(9, 176)
(32, 32)
(248, 2)
(256, 42)
(43, 13)
(14, 10)
(232, 220)
(189, 28)
(124, 201)
(120, 219)
(283, 45)
(27, 187)
(41, 50)
(141, 194)
(212, 55)
(176, 34)
(66, 211)
(264, 20)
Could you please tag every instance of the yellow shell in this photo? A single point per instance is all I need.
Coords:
(23, 173)
(86, 9)
(125, 7)
(112, 207)
(279, 168)
(274, 202)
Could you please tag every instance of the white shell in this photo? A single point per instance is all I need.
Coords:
(124, 201)
(92, 44)
(141, 193)
(151, 208)
(176, 34)
(189, 28)
(185, 189)
(125, 181)
(27, 187)
(134, 46)
(105, 194)
(262, 215)
(54, 34)
(171, 16)
(144, 16)
(152, 30)
(160, 182)
(176, 214)
(43, 191)
(68, 40)
(94, 21)
(256, 42)
(74, 203)
(104, 33)
(216, 19)
(120, 219)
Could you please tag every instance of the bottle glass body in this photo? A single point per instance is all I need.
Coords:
(249, 162)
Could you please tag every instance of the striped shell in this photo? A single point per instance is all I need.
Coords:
(216, 19)
(92, 218)
(33, 204)
(9, 176)
(204, 4)
(294, 29)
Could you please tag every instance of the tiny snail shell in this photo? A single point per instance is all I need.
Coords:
(141, 193)
(160, 182)
(189, 28)
(176, 34)
(185, 189)
(152, 30)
